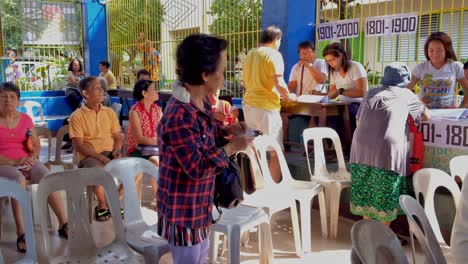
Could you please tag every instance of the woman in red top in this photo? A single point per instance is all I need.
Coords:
(222, 109)
(144, 117)
(19, 152)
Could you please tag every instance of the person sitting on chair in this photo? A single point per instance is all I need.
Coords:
(19, 152)
(95, 133)
(144, 118)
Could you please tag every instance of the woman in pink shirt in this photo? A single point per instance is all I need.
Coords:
(19, 152)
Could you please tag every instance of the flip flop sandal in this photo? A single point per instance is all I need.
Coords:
(63, 231)
(101, 215)
(19, 240)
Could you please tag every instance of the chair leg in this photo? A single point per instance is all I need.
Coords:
(412, 246)
(323, 213)
(89, 196)
(234, 244)
(151, 255)
(265, 243)
(295, 226)
(305, 226)
(335, 210)
(213, 253)
(327, 200)
(2, 213)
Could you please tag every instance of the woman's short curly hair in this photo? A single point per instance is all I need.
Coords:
(198, 54)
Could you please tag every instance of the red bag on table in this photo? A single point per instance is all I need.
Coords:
(417, 147)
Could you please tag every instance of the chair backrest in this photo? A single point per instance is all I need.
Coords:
(43, 132)
(459, 167)
(264, 144)
(425, 182)
(74, 183)
(126, 169)
(255, 176)
(318, 134)
(58, 149)
(29, 106)
(421, 228)
(117, 107)
(14, 190)
(58, 142)
(374, 242)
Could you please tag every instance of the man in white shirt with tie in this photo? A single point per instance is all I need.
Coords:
(309, 73)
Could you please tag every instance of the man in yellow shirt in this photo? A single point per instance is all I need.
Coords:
(95, 133)
(104, 67)
(264, 86)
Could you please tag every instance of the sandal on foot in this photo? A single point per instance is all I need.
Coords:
(63, 231)
(101, 215)
(19, 240)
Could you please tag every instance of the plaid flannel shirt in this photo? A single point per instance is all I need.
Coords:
(189, 163)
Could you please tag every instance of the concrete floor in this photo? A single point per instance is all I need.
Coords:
(330, 250)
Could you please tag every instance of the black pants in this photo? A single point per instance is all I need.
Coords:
(73, 97)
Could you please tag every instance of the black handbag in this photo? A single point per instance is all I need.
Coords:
(228, 188)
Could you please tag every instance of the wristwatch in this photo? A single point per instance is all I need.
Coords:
(308, 65)
(341, 91)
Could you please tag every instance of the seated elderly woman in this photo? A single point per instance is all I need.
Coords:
(19, 151)
(144, 118)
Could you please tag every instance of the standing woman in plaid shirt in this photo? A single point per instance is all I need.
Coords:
(190, 159)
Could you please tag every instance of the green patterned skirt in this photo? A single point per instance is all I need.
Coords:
(375, 192)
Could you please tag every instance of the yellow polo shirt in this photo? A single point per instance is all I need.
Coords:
(259, 70)
(96, 128)
(111, 81)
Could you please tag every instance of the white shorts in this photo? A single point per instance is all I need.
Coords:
(267, 121)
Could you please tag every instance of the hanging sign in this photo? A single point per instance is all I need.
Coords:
(392, 25)
(341, 29)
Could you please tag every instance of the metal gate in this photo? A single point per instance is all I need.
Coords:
(38, 40)
(375, 52)
(145, 34)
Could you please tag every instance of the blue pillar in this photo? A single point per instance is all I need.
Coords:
(94, 35)
(296, 18)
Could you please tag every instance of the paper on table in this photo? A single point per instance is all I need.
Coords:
(452, 114)
(307, 98)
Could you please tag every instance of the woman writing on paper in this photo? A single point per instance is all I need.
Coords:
(348, 79)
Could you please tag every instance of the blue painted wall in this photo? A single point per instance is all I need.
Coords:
(94, 35)
(296, 18)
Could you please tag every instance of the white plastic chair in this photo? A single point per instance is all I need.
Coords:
(14, 190)
(42, 132)
(80, 239)
(139, 234)
(373, 242)
(459, 167)
(233, 223)
(425, 182)
(420, 227)
(38, 120)
(58, 150)
(289, 190)
(333, 182)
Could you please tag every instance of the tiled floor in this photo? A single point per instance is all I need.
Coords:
(329, 250)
